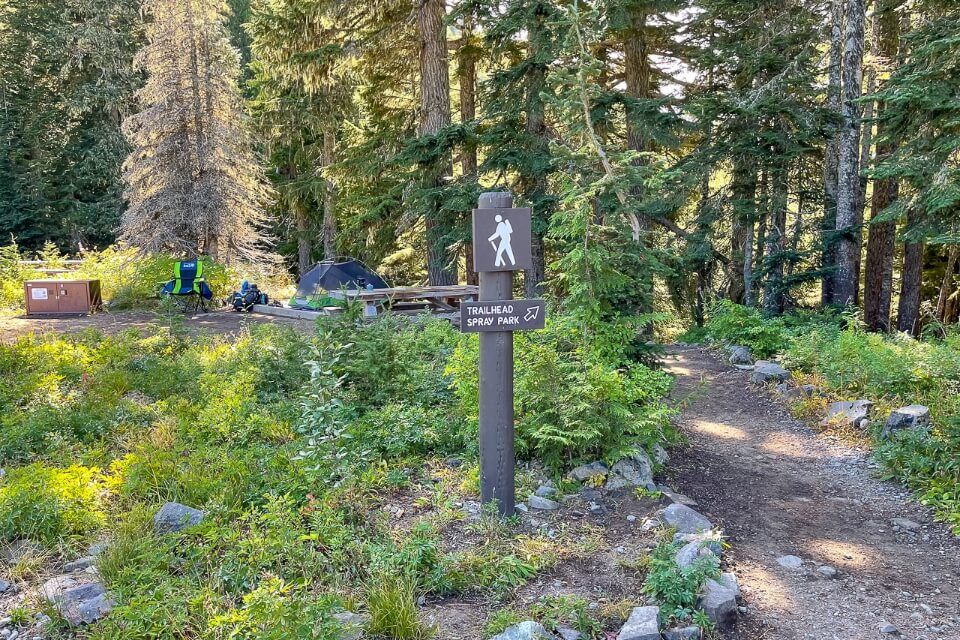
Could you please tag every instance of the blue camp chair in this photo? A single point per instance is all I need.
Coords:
(188, 286)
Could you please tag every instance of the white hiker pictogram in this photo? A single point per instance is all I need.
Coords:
(504, 231)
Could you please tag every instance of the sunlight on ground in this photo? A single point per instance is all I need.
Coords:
(766, 587)
(787, 445)
(842, 554)
(718, 429)
(677, 370)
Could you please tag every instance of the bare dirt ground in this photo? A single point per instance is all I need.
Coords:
(214, 322)
(778, 488)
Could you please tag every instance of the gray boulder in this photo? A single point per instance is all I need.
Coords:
(79, 565)
(545, 490)
(914, 416)
(682, 633)
(690, 552)
(686, 520)
(729, 580)
(855, 413)
(174, 516)
(528, 630)
(660, 455)
(796, 393)
(719, 602)
(790, 562)
(673, 496)
(351, 624)
(643, 624)
(566, 633)
(544, 504)
(739, 354)
(765, 371)
(906, 524)
(78, 601)
(632, 472)
(589, 471)
(711, 541)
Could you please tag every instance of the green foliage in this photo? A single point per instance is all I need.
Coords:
(50, 505)
(392, 603)
(12, 276)
(130, 279)
(677, 588)
(574, 401)
(732, 323)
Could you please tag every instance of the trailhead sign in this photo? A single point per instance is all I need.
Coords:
(501, 240)
(501, 245)
(513, 315)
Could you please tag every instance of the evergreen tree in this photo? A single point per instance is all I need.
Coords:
(849, 219)
(193, 184)
(921, 109)
(66, 85)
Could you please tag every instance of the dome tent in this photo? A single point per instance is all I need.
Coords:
(333, 275)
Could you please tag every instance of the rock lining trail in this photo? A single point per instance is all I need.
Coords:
(777, 488)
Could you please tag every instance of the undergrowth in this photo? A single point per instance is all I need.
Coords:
(292, 445)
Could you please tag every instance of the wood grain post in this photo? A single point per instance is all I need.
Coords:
(497, 457)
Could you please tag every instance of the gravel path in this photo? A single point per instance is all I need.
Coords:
(778, 488)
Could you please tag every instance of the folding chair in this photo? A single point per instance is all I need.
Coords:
(188, 286)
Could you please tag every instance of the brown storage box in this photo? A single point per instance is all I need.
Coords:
(57, 297)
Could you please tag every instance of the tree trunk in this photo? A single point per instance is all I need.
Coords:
(434, 117)
(946, 286)
(636, 69)
(866, 146)
(878, 284)
(536, 128)
(763, 207)
(467, 79)
(832, 159)
(908, 311)
(773, 294)
(744, 194)
(329, 197)
(848, 180)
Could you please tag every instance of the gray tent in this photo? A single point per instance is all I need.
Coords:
(331, 275)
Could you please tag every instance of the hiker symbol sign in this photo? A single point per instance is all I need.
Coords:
(501, 240)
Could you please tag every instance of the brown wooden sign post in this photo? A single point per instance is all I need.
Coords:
(501, 245)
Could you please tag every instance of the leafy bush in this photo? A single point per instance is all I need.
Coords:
(572, 404)
(732, 323)
(12, 276)
(50, 505)
(129, 279)
(674, 586)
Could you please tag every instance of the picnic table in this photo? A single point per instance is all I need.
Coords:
(441, 299)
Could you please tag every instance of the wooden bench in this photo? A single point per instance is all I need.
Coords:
(438, 299)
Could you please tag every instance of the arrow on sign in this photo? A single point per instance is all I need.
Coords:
(532, 314)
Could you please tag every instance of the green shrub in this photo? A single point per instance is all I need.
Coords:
(571, 403)
(130, 280)
(677, 588)
(49, 504)
(392, 603)
(732, 323)
(12, 276)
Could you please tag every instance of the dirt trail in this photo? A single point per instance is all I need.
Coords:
(778, 488)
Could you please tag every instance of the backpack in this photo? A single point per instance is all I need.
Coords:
(248, 296)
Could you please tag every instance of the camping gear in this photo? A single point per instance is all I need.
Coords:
(314, 287)
(62, 297)
(248, 296)
(188, 285)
